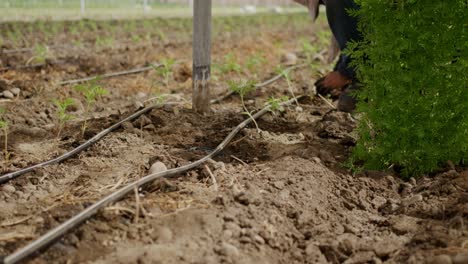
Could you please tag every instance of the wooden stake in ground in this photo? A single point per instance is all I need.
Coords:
(201, 55)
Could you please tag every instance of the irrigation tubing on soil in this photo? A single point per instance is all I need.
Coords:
(58, 232)
(12, 175)
(110, 75)
(259, 85)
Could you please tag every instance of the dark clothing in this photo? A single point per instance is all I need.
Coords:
(344, 28)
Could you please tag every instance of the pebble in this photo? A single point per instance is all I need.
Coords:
(289, 59)
(440, 259)
(258, 239)
(127, 125)
(8, 94)
(141, 95)
(279, 185)
(228, 250)
(157, 167)
(139, 105)
(16, 91)
(299, 109)
(8, 188)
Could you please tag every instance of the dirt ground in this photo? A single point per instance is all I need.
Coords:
(281, 195)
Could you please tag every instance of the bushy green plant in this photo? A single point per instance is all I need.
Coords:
(414, 101)
(63, 116)
(91, 91)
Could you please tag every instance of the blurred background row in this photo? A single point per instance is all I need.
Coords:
(27, 10)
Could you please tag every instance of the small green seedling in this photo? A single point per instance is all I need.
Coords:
(243, 88)
(254, 61)
(104, 41)
(308, 49)
(63, 117)
(4, 128)
(165, 69)
(40, 54)
(91, 91)
(229, 65)
(286, 74)
(275, 104)
(159, 98)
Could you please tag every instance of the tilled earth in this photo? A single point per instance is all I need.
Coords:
(278, 195)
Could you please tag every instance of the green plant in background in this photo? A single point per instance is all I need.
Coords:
(414, 85)
(40, 54)
(91, 92)
(136, 38)
(165, 69)
(229, 65)
(254, 61)
(4, 128)
(308, 50)
(104, 41)
(287, 76)
(161, 35)
(63, 116)
(158, 97)
(243, 88)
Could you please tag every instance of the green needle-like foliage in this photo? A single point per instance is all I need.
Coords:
(63, 116)
(243, 88)
(412, 65)
(91, 92)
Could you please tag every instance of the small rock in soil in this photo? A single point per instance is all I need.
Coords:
(150, 127)
(8, 188)
(138, 105)
(258, 239)
(227, 249)
(3, 85)
(127, 125)
(403, 224)
(16, 91)
(8, 94)
(234, 228)
(440, 259)
(289, 59)
(157, 167)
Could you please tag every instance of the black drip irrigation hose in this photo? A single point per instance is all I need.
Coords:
(58, 232)
(113, 74)
(259, 85)
(12, 175)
